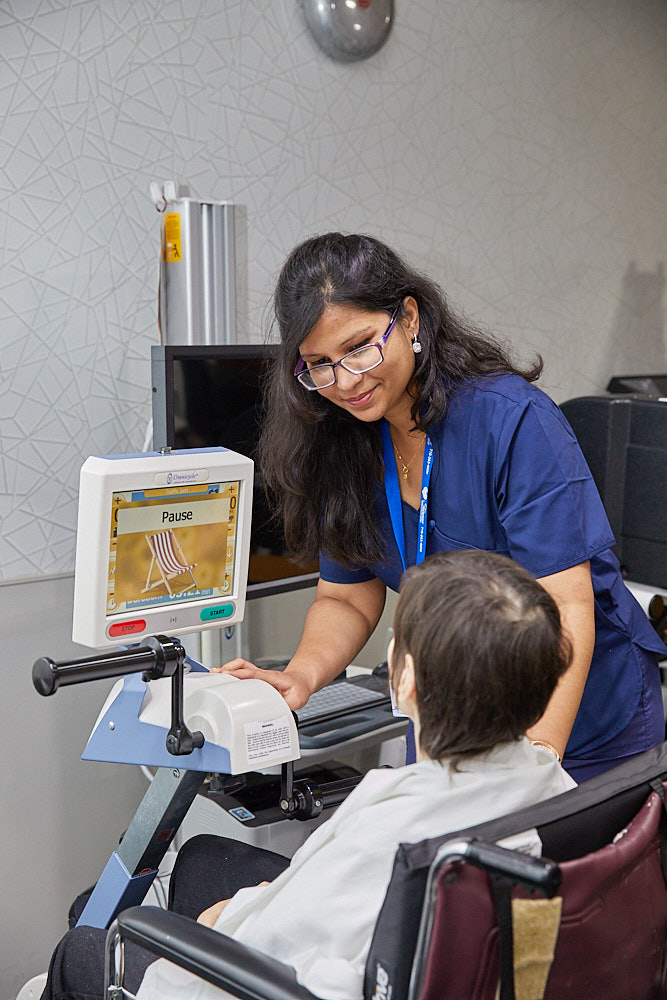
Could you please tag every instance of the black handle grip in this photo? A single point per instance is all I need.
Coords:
(157, 657)
(48, 676)
(532, 873)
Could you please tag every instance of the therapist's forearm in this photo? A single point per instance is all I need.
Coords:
(574, 597)
(333, 634)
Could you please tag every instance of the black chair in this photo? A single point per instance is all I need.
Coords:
(446, 928)
(624, 441)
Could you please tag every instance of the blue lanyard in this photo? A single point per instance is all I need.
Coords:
(393, 491)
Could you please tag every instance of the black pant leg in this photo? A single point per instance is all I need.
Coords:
(210, 868)
(76, 971)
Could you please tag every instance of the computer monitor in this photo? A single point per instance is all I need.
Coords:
(644, 385)
(163, 542)
(624, 441)
(211, 395)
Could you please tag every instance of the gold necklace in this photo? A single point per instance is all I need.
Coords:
(405, 467)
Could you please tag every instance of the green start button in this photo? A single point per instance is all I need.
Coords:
(217, 613)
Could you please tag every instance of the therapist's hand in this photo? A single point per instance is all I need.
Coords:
(294, 689)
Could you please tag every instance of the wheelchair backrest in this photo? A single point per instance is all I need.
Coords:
(570, 825)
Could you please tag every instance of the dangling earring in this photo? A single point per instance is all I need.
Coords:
(416, 346)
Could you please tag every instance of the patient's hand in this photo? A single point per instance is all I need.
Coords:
(292, 687)
(210, 917)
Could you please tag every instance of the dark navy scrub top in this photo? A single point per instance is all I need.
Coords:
(509, 476)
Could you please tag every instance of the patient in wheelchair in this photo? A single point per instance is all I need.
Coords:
(476, 655)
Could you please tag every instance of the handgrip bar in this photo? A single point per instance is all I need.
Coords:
(304, 798)
(48, 676)
(158, 657)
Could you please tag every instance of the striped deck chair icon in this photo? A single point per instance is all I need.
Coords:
(167, 556)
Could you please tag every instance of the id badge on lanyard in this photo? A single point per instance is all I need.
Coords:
(393, 492)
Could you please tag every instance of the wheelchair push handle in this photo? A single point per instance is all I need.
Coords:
(158, 657)
(534, 874)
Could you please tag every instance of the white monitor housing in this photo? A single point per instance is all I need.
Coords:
(163, 543)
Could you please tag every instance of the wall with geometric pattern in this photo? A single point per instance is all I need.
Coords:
(512, 149)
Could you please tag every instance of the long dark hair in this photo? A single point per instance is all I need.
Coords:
(488, 649)
(320, 464)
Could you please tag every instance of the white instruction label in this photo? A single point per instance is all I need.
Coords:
(266, 739)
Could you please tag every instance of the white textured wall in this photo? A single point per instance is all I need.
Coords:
(60, 817)
(512, 148)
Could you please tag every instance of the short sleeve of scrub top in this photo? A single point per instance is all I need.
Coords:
(547, 502)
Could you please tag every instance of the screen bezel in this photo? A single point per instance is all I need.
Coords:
(163, 360)
(103, 476)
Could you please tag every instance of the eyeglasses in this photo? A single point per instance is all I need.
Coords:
(361, 360)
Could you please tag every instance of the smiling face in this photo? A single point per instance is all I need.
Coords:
(381, 392)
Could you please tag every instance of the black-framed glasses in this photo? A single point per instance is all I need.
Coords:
(361, 360)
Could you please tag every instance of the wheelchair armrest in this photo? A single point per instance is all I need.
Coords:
(228, 964)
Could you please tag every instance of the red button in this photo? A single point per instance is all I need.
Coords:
(127, 628)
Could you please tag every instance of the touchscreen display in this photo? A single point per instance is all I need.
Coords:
(172, 544)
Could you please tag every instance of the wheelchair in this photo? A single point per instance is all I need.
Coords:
(464, 919)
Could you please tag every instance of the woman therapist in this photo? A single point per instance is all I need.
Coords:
(395, 430)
